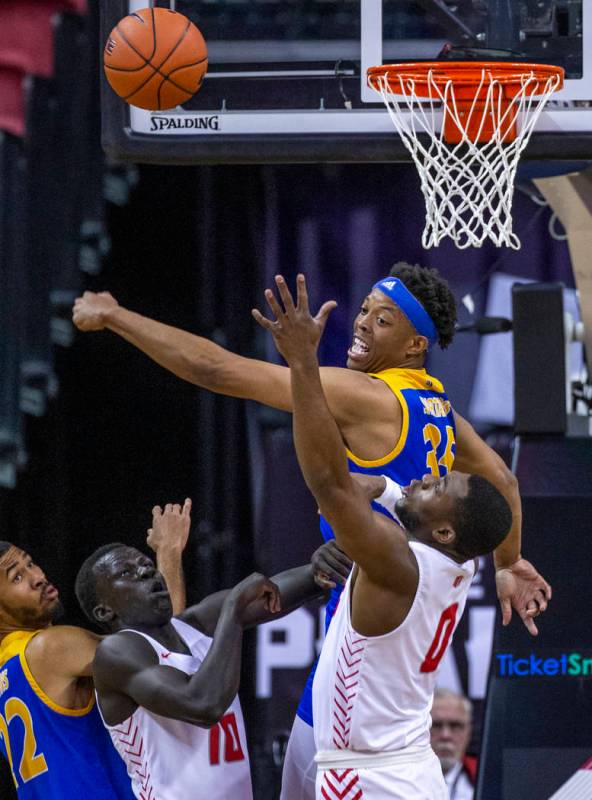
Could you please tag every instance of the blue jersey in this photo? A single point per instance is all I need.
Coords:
(427, 444)
(53, 752)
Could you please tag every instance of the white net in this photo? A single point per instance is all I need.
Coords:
(467, 186)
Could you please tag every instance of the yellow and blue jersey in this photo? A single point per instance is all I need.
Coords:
(427, 444)
(53, 752)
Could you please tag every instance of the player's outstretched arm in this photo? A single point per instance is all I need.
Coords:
(296, 587)
(378, 545)
(353, 396)
(519, 585)
(126, 664)
(190, 357)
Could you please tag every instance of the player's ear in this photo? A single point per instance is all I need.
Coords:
(417, 346)
(103, 614)
(445, 535)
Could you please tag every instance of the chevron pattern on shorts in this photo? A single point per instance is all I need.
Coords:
(341, 785)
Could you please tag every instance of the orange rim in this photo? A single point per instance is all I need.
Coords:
(465, 74)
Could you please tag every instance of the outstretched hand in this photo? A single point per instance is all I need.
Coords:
(170, 528)
(295, 331)
(520, 587)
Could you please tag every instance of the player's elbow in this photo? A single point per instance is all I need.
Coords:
(508, 479)
(331, 497)
(206, 714)
(209, 718)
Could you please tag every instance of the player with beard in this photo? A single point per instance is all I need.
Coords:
(50, 730)
(378, 667)
(394, 418)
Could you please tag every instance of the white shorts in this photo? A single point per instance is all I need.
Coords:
(300, 769)
(422, 780)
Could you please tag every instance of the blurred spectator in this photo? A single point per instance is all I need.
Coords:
(451, 732)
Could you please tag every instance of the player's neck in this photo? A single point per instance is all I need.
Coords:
(446, 551)
(12, 626)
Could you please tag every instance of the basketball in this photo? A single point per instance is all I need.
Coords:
(155, 58)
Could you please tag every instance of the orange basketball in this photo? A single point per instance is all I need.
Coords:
(155, 58)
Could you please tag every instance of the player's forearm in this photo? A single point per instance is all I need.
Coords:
(190, 357)
(319, 446)
(509, 551)
(213, 687)
(202, 362)
(170, 563)
(297, 586)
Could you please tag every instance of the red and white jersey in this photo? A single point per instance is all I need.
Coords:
(167, 759)
(374, 693)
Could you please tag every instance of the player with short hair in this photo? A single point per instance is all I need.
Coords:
(50, 730)
(394, 418)
(377, 671)
(163, 681)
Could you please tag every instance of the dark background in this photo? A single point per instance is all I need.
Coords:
(194, 247)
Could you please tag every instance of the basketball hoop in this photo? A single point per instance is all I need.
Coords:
(477, 118)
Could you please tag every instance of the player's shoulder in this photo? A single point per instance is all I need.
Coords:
(55, 640)
(124, 650)
(60, 650)
(355, 388)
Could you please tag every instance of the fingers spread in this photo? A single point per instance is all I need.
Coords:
(301, 293)
(273, 304)
(261, 320)
(325, 310)
(285, 294)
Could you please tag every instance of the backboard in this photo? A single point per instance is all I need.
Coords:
(286, 81)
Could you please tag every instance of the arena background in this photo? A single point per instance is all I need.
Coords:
(195, 247)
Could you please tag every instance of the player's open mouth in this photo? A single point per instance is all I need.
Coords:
(359, 348)
(49, 593)
(159, 588)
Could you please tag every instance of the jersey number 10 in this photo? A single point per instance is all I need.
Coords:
(226, 730)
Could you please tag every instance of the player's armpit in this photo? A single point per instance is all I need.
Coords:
(62, 650)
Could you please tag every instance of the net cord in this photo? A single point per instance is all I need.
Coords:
(468, 186)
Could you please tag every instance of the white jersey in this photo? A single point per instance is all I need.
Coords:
(373, 694)
(167, 759)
